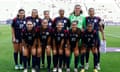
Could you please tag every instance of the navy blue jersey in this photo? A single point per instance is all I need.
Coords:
(74, 37)
(36, 21)
(89, 39)
(95, 21)
(59, 36)
(18, 25)
(29, 36)
(43, 35)
(65, 21)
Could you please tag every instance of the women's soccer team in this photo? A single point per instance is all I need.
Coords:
(35, 39)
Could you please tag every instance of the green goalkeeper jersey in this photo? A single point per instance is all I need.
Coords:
(81, 20)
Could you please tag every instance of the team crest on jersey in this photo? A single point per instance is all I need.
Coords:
(65, 21)
(95, 20)
(34, 24)
(37, 20)
(62, 35)
(76, 35)
(47, 33)
(24, 22)
(50, 24)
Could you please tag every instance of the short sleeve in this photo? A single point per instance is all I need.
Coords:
(13, 23)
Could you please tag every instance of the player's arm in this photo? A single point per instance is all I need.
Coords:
(84, 23)
(68, 24)
(101, 30)
(13, 31)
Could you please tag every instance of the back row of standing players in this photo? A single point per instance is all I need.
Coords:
(33, 37)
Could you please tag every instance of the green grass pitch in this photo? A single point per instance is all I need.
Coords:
(110, 62)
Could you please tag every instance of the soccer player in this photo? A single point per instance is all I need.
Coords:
(78, 16)
(63, 19)
(72, 44)
(17, 25)
(89, 41)
(35, 18)
(97, 25)
(44, 36)
(29, 43)
(36, 22)
(58, 46)
(47, 16)
(50, 23)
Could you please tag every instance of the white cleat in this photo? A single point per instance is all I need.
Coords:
(16, 67)
(21, 67)
(68, 70)
(33, 70)
(95, 70)
(82, 70)
(87, 66)
(59, 70)
(25, 70)
(54, 69)
(98, 67)
(75, 70)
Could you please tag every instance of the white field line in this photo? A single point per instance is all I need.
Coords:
(113, 35)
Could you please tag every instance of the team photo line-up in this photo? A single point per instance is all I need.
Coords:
(32, 37)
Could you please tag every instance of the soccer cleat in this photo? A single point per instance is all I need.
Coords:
(54, 69)
(87, 66)
(59, 70)
(25, 70)
(95, 70)
(16, 67)
(21, 67)
(98, 67)
(82, 70)
(33, 70)
(75, 70)
(68, 70)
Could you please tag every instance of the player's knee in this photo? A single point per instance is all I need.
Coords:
(25, 52)
(54, 52)
(48, 51)
(39, 52)
(33, 51)
(67, 52)
(60, 51)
